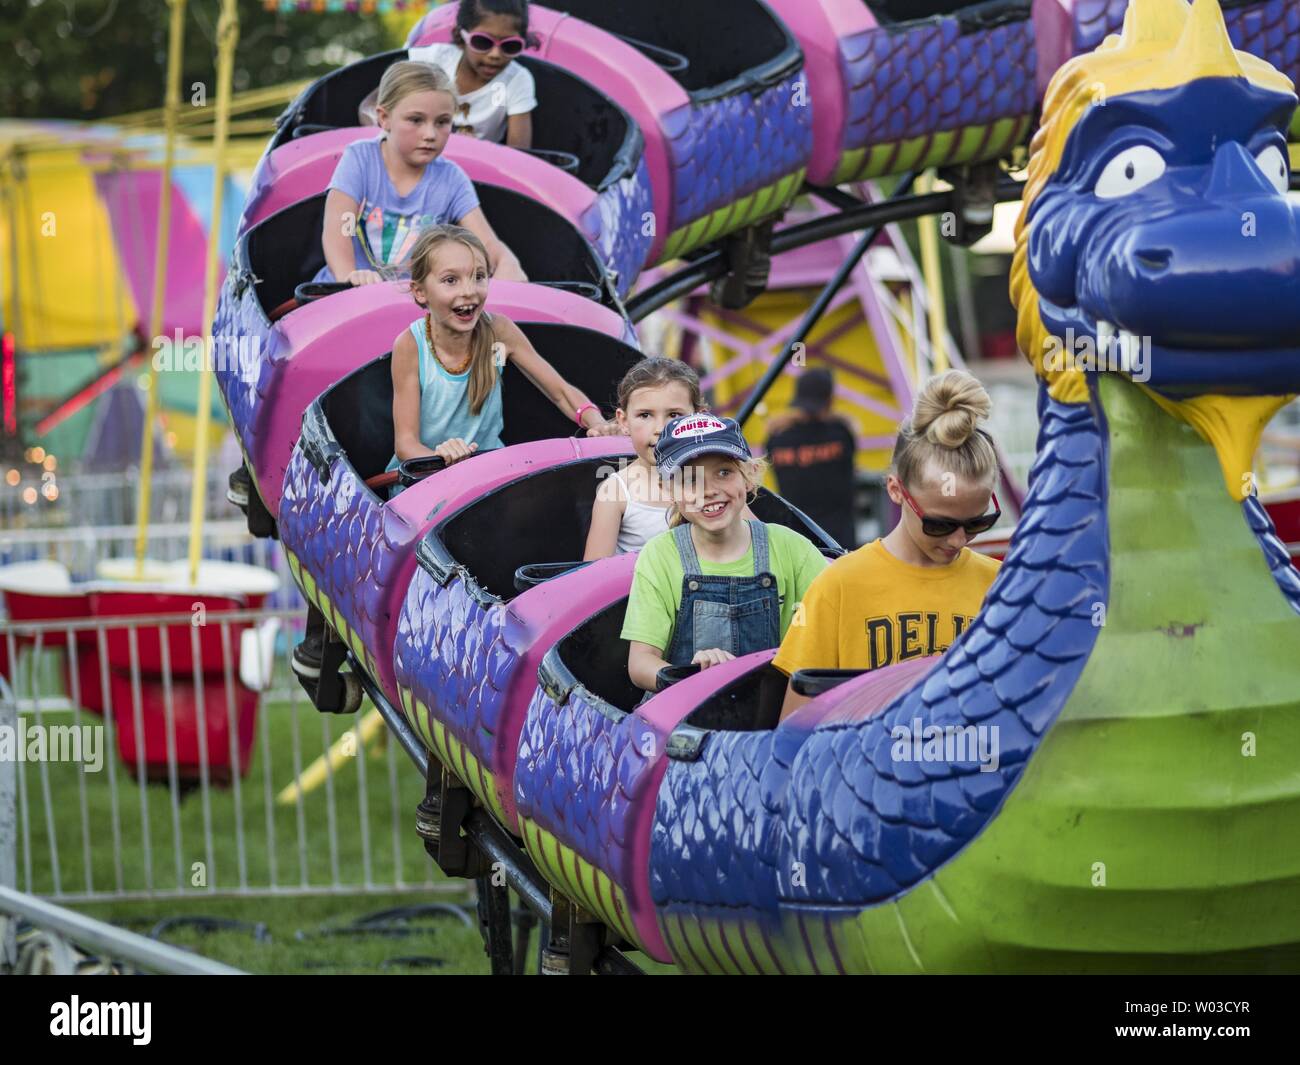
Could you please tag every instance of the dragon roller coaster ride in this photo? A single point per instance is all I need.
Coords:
(691, 827)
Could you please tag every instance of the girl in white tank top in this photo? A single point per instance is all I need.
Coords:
(631, 504)
(640, 520)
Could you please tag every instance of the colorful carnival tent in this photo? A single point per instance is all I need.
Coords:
(78, 228)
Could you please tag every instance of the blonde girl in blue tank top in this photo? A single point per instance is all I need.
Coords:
(447, 366)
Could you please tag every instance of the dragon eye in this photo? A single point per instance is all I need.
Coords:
(1275, 167)
(1129, 171)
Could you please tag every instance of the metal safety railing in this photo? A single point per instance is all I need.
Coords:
(107, 498)
(39, 938)
(177, 756)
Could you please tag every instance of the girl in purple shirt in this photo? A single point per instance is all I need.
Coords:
(385, 190)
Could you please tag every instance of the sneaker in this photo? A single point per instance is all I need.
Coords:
(307, 655)
(241, 484)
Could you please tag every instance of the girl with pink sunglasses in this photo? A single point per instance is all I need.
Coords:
(496, 94)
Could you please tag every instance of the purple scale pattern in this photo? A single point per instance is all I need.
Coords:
(1275, 552)
(1094, 19)
(458, 658)
(929, 77)
(624, 245)
(580, 776)
(729, 827)
(1270, 30)
(353, 547)
(723, 150)
(240, 329)
(737, 827)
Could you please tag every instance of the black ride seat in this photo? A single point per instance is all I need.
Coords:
(814, 682)
(973, 14)
(702, 46)
(575, 126)
(359, 409)
(527, 531)
(530, 576)
(595, 655)
(284, 250)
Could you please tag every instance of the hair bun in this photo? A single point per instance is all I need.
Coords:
(949, 408)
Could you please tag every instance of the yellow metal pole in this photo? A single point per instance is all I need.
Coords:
(933, 274)
(227, 37)
(251, 100)
(349, 745)
(907, 338)
(170, 110)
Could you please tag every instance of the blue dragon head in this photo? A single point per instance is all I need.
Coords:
(1156, 239)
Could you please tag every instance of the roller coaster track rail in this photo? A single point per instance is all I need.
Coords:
(854, 215)
(509, 867)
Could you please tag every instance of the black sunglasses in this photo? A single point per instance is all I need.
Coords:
(948, 526)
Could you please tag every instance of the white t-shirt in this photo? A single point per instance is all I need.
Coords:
(483, 113)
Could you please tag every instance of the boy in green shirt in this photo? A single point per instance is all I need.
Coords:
(715, 586)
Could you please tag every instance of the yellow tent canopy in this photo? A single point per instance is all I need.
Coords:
(61, 284)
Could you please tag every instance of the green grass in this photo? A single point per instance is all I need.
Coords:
(137, 852)
(147, 847)
(295, 943)
(155, 841)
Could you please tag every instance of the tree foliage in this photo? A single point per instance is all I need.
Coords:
(90, 59)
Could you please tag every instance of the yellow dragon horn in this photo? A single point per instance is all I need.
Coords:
(1205, 49)
(1233, 425)
(1151, 21)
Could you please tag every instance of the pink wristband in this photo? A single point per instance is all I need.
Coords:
(583, 410)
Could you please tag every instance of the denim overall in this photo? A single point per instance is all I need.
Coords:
(736, 614)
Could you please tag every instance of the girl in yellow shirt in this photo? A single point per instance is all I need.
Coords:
(912, 593)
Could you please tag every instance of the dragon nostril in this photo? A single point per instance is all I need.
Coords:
(1154, 259)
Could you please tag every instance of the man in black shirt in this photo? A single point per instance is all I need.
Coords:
(811, 451)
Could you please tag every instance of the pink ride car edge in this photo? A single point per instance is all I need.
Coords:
(639, 86)
(302, 168)
(329, 338)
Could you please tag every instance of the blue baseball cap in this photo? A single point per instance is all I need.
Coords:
(693, 435)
